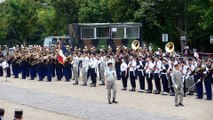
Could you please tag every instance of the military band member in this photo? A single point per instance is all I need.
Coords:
(141, 73)
(102, 67)
(198, 76)
(75, 68)
(149, 67)
(85, 67)
(15, 67)
(59, 71)
(157, 68)
(93, 64)
(67, 69)
(124, 74)
(178, 85)
(117, 67)
(169, 71)
(190, 79)
(132, 65)
(110, 83)
(207, 79)
(49, 67)
(164, 76)
(40, 69)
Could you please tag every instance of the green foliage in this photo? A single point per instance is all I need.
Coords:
(28, 21)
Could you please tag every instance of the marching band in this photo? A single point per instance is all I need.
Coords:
(143, 64)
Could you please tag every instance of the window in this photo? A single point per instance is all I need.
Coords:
(118, 32)
(102, 32)
(132, 32)
(87, 33)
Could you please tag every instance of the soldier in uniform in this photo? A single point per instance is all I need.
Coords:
(157, 67)
(85, 67)
(124, 74)
(49, 67)
(102, 68)
(24, 68)
(141, 73)
(110, 83)
(93, 64)
(132, 65)
(207, 79)
(164, 76)
(178, 85)
(149, 67)
(40, 69)
(198, 80)
(15, 67)
(75, 68)
(59, 71)
(67, 69)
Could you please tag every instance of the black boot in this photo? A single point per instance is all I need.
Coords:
(109, 102)
(76, 83)
(114, 101)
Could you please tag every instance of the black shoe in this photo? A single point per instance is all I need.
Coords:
(149, 91)
(102, 84)
(198, 98)
(76, 83)
(184, 95)
(176, 105)
(132, 90)
(114, 101)
(156, 92)
(93, 85)
(180, 104)
(109, 102)
(84, 84)
(124, 89)
(208, 99)
(172, 94)
(66, 81)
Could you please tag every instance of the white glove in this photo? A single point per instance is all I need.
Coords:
(176, 86)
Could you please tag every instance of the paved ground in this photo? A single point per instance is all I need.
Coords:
(62, 100)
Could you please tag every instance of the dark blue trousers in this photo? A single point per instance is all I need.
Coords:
(149, 78)
(165, 83)
(157, 82)
(199, 86)
(132, 79)
(208, 87)
(141, 76)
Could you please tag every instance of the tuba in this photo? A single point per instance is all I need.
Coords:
(170, 47)
(135, 44)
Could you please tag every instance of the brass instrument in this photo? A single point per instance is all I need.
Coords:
(170, 47)
(135, 44)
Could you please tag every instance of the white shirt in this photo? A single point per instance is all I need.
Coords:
(149, 66)
(85, 62)
(75, 61)
(123, 66)
(158, 65)
(132, 65)
(93, 63)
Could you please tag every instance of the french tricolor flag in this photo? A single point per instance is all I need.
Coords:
(62, 51)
